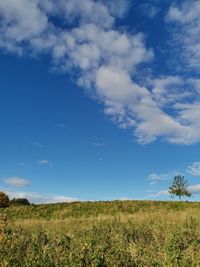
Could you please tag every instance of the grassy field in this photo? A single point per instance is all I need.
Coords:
(100, 234)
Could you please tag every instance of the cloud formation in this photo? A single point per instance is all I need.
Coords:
(194, 189)
(82, 37)
(17, 181)
(43, 162)
(185, 17)
(158, 176)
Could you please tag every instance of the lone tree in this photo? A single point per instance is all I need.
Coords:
(179, 187)
(4, 200)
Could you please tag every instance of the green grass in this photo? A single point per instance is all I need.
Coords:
(94, 209)
(100, 234)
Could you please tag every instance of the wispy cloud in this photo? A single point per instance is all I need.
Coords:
(154, 178)
(46, 162)
(158, 177)
(43, 162)
(185, 17)
(98, 144)
(194, 189)
(194, 169)
(17, 181)
(158, 194)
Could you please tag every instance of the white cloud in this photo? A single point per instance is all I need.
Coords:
(17, 181)
(159, 177)
(166, 90)
(106, 61)
(86, 11)
(118, 8)
(98, 144)
(158, 194)
(154, 178)
(194, 189)
(187, 34)
(194, 169)
(195, 83)
(43, 162)
(20, 21)
(110, 83)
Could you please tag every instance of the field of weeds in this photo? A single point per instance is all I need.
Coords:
(100, 234)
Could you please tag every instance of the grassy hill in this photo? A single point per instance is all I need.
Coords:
(94, 209)
(100, 234)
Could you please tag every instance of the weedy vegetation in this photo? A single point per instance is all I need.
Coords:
(101, 234)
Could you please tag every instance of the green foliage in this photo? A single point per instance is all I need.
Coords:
(19, 201)
(4, 200)
(179, 187)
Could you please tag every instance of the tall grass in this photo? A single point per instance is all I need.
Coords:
(102, 234)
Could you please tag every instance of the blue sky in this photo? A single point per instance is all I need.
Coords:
(99, 100)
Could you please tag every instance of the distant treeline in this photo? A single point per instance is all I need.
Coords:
(6, 202)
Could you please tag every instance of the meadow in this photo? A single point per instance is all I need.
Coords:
(101, 234)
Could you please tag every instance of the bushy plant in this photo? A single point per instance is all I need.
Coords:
(4, 200)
